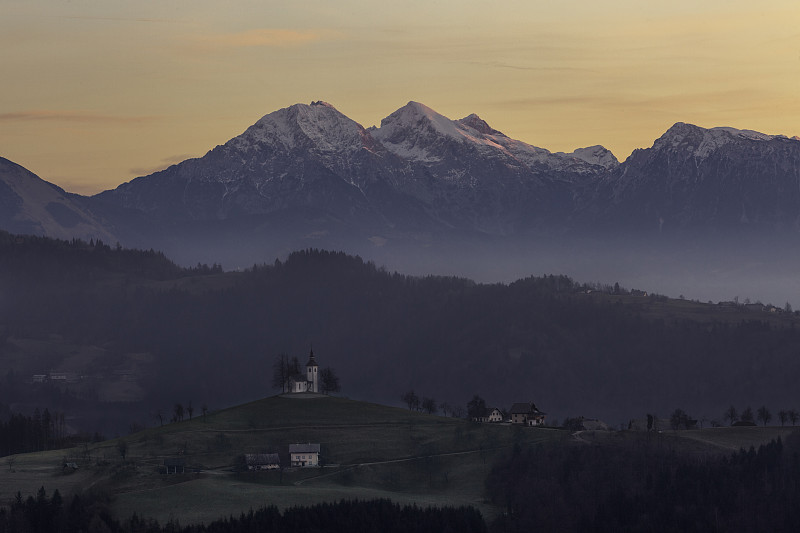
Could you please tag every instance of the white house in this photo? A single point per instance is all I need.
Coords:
(304, 454)
(490, 414)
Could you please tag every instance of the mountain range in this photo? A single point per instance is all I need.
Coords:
(308, 176)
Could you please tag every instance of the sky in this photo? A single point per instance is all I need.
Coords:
(96, 92)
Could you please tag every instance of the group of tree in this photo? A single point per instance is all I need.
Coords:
(763, 415)
(644, 485)
(426, 404)
(41, 431)
(41, 514)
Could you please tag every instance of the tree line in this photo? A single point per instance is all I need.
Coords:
(646, 485)
(41, 514)
(39, 432)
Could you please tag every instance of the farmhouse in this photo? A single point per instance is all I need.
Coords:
(490, 414)
(262, 461)
(527, 414)
(304, 454)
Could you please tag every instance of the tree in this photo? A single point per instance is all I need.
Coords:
(122, 448)
(190, 410)
(411, 399)
(764, 415)
(679, 419)
(731, 415)
(445, 407)
(476, 407)
(205, 411)
(747, 415)
(178, 410)
(793, 416)
(329, 381)
(783, 416)
(429, 405)
(280, 372)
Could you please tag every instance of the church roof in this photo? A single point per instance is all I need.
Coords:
(311, 360)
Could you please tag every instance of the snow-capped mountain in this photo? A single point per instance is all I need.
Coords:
(718, 178)
(307, 175)
(30, 205)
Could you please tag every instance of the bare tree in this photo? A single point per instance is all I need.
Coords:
(178, 410)
(793, 416)
(783, 416)
(445, 407)
(122, 448)
(429, 405)
(747, 415)
(160, 416)
(411, 399)
(10, 460)
(190, 409)
(764, 415)
(204, 408)
(731, 415)
(280, 372)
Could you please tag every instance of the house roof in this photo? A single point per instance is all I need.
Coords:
(174, 461)
(253, 459)
(520, 408)
(304, 448)
(489, 410)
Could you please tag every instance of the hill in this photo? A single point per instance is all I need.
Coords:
(369, 451)
(135, 334)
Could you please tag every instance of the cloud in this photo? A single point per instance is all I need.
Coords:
(264, 37)
(68, 116)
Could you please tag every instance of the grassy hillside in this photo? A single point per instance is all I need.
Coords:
(369, 451)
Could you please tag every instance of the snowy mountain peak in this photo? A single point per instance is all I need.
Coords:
(701, 141)
(478, 124)
(596, 155)
(318, 125)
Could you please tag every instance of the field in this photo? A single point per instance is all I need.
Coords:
(369, 451)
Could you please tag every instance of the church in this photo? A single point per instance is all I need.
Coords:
(309, 383)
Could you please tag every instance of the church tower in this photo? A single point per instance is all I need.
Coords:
(312, 373)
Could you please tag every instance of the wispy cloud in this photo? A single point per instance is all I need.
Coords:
(68, 116)
(120, 19)
(263, 37)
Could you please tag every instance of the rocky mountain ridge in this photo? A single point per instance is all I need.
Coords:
(307, 175)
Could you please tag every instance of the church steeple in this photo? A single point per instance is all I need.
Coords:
(312, 372)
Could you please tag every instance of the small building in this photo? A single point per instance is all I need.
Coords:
(527, 414)
(309, 382)
(304, 454)
(262, 461)
(490, 414)
(174, 465)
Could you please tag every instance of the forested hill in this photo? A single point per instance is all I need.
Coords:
(212, 337)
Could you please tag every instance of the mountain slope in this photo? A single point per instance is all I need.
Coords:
(30, 205)
(719, 178)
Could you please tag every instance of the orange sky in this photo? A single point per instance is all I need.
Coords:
(95, 93)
